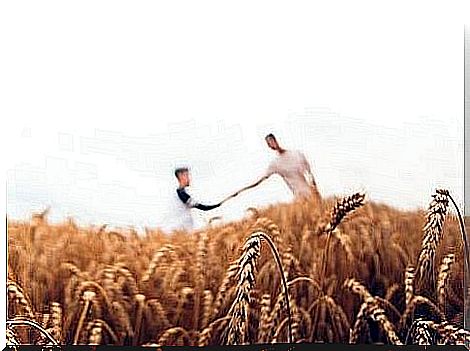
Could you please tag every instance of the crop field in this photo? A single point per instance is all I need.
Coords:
(343, 271)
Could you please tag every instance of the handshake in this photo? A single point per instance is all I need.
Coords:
(243, 189)
(229, 197)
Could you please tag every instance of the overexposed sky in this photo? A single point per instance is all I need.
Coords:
(105, 99)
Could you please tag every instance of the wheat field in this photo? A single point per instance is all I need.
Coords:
(343, 271)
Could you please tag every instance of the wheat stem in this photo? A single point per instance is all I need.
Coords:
(463, 232)
(277, 258)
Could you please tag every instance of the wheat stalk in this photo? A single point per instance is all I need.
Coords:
(451, 334)
(200, 269)
(140, 301)
(247, 263)
(409, 281)
(56, 318)
(174, 333)
(444, 272)
(105, 326)
(155, 311)
(375, 246)
(378, 314)
(463, 232)
(95, 329)
(373, 310)
(21, 322)
(224, 287)
(422, 334)
(435, 218)
(361, 316)
(246, 280)
(11, 337)
(186, 295)
(88, 297)
(160, 255)
(415, 301)
(341, 209)
(391, 291)
(266, 323)
(206, 307)
(206, 335)
(21, 299)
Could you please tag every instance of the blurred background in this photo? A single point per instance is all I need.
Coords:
(106, 109)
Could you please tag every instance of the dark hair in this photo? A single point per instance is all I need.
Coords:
(270, 135)
(180, 170)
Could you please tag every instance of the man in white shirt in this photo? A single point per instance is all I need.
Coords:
(183, 202)
(294, 169)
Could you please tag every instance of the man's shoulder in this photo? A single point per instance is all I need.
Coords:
(292, 153)
(297, 153)
(182, 194)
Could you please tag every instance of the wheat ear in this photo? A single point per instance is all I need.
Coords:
(246, 280)
(247, 263)
(88, 297)
(373, 310)
(435, 218)
(443, 276)
(339, 212)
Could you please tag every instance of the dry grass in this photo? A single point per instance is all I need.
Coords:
(348, 268)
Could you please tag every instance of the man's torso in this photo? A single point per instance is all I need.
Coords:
(290, 165)
(182, 212)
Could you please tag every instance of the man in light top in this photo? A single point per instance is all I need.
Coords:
(294, 169)
(184, 202)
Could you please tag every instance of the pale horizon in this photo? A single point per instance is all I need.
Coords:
(126, 179)
(95, 133)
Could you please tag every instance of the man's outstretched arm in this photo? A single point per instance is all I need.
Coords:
(187, 200)
(255, 184)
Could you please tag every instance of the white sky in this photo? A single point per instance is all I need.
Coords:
(103, 100)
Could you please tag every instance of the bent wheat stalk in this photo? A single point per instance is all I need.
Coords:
(247, 266)
(108, 329)
(284, 282)
(371, 309)
(462, 231)
(238, 312)
(33, 324)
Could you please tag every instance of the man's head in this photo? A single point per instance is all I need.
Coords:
(182, 174)
(272, 142)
